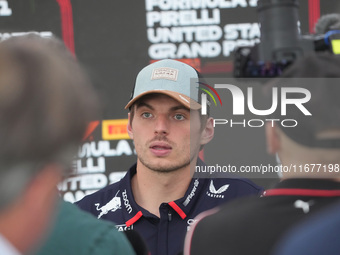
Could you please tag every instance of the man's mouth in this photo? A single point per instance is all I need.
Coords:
(160, 149)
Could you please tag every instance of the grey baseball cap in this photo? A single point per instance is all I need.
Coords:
(170, 77)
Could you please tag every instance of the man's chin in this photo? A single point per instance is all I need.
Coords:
(165, 167)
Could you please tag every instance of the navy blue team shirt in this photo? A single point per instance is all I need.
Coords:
(164, 235)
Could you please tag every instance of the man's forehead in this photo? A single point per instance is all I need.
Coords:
(155, 98)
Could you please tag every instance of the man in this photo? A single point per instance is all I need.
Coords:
(253, 226)
(45, 105)
(158, 196)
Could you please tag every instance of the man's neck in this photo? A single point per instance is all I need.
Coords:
(151, 188)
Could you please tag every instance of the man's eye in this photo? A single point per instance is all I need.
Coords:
(179, 117)
(146, 115)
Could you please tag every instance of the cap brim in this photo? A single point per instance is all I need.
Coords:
(183, 99)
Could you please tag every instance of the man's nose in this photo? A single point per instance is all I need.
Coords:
(161, 125)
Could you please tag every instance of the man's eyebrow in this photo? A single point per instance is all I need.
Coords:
(142, 104)
(179, 107)
(175, 108)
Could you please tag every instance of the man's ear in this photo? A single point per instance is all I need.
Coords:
(272, 138)
(129, 127)
(208, 131)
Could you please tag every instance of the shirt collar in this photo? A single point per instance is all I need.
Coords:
(132, 211)
(182, 206)
(193, 193)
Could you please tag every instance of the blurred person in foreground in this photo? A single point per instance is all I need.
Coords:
(317, 235)
(159, 196)
(46, 103)
(254, 226)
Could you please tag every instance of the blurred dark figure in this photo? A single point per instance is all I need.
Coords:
(315, 236)
(309, 156)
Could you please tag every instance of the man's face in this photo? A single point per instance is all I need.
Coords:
(163, 137)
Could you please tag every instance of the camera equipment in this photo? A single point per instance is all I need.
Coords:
(281, 42)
